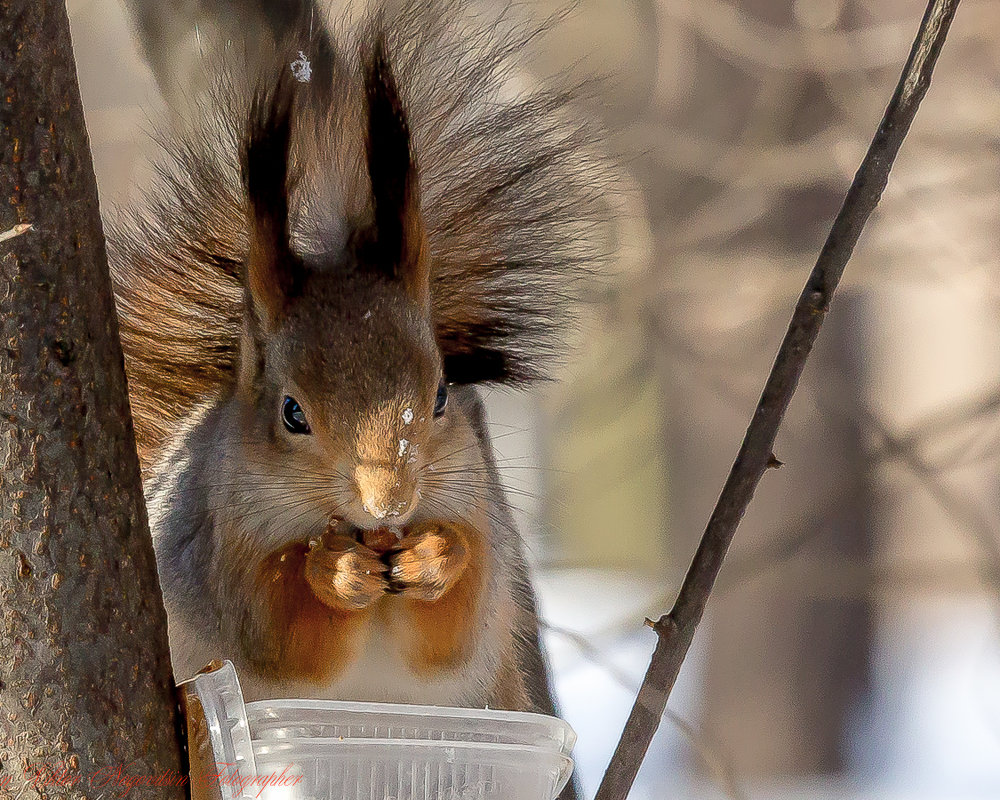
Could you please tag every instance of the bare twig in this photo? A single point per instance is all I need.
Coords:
(708, 749)
(676, 629)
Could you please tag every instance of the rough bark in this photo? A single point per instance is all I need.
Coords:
(85, 681)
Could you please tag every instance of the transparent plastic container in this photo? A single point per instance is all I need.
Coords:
(396, 769)
(218, 733)
(296, 719)
(326, 750)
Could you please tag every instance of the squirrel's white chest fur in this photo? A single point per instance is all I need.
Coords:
(379, 672)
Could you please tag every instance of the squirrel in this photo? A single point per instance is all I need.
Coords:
(350, 238)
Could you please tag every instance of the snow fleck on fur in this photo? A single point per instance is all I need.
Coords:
(407, 416)
(302, 68)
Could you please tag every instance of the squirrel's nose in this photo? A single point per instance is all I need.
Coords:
(384, 492)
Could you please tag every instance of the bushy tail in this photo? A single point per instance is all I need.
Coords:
(513, 195)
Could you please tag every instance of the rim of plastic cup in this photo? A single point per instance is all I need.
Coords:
(257, 710)
(404, 708)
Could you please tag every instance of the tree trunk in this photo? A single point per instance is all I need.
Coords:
(85, 684)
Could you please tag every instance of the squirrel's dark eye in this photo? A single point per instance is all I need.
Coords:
(441, 400)
(294, 417)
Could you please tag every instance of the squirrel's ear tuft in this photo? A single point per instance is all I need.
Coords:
(273, 272)
(480, 366)
(479, 352)
(398, 241)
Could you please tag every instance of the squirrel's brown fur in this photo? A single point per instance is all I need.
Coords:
(512, 203)
(408, 219)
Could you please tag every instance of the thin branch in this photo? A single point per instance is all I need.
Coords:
(676, 629)
(708, 749)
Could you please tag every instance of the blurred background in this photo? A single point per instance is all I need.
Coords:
(852, 647)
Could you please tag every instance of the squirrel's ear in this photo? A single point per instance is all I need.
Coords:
(398, 240)
(273, 272)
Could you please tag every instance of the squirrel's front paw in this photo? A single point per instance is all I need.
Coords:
(343, 573)
(428, 561)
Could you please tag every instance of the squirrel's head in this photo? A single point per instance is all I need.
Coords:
(340, 370)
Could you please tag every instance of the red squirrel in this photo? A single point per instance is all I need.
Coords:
(342, 247)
